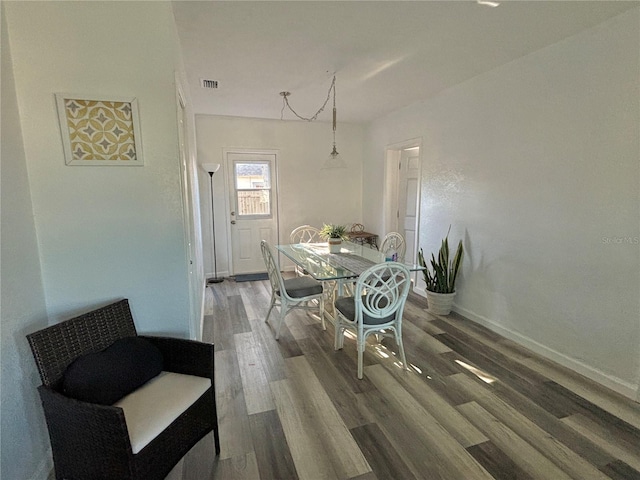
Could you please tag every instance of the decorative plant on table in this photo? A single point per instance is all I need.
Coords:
(440, 277)
(334, 235)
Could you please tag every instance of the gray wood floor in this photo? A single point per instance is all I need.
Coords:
(473, 406)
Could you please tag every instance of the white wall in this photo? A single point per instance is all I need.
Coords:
(23, 447)
(104, 232)
(536, 167)
(307, 194)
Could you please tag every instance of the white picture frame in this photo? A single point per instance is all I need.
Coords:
(100, 130)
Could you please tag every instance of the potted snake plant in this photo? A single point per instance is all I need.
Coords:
(334, 234)
(440, 277)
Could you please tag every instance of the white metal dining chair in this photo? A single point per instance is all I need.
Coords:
(305, 234)
(394, 242)
(376, 307)
(292, 293)
(310, 234)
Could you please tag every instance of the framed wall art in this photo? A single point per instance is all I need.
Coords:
(100, 130)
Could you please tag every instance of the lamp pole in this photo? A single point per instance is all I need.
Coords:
(211, 169)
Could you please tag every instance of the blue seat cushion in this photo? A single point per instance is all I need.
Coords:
(302, 287)
(347, 307)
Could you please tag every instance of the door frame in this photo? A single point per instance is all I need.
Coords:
(390, 193)
(228, 188)
(190, 209)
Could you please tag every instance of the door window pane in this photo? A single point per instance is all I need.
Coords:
(253, 189)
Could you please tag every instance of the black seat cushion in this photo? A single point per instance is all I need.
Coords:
(107, 376)
(347, 307)
(301, 287)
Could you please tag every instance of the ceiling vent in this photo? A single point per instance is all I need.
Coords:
(204, 83)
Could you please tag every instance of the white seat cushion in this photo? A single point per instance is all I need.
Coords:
(151, 408)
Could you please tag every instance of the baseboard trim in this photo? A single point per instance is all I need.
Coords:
(616, 384)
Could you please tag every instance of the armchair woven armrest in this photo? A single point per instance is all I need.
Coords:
(86, 437)
(189, 357)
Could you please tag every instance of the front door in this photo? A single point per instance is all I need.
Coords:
(254, 208)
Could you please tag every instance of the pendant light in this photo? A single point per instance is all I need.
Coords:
(334, 159)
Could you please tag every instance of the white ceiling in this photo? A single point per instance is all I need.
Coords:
(385, 54)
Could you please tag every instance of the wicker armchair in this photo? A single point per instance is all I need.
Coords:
(91, 441)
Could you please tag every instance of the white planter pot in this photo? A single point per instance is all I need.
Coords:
(335, 244)
(440, 303)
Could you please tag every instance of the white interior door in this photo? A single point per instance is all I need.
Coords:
(254, 208)
(408, 189)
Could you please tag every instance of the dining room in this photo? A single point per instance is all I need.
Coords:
(529, 200)
(513, 195)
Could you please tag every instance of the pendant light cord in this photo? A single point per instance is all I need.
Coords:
(333, 85)
(285, 104)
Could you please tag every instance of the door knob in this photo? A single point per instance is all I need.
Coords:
(233, 222)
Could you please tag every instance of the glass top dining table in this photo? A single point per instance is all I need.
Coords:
(322, 265)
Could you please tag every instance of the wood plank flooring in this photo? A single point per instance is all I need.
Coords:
(472, 406)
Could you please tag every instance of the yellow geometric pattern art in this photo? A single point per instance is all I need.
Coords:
(100, 130)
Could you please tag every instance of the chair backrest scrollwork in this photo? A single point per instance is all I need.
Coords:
(394, 241)
(305, 234)
(381, 291)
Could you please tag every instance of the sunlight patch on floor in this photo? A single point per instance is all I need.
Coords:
(484, 376)
(350, 334)
(380, 351)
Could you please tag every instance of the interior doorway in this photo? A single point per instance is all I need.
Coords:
(408, 186)
(402, 196)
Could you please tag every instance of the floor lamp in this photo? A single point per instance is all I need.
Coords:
(212, 168)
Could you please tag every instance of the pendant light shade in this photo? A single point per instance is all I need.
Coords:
(334, 161)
